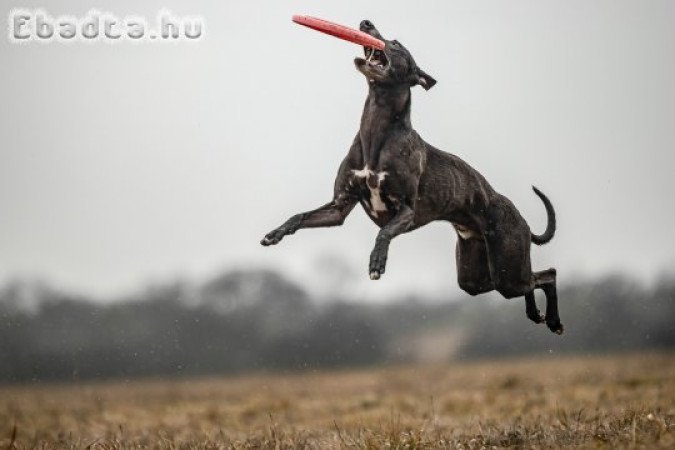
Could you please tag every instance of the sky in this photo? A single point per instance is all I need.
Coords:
(128, 164)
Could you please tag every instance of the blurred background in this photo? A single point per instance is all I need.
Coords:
(136, 181)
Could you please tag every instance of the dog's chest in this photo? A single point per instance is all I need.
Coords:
(374, 202)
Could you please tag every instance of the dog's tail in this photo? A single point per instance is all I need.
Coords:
(550, 226)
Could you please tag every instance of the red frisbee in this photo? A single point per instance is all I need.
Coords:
(340, 31)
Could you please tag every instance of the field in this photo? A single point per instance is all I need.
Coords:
(549, 402)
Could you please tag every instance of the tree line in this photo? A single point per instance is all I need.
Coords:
(253, 320)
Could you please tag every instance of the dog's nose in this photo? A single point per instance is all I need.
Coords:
(366, 25)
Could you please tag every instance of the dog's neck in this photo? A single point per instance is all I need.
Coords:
(387, 109)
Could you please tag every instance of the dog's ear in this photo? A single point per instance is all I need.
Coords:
(424, 79)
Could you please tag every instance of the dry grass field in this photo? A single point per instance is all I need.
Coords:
(551, 402)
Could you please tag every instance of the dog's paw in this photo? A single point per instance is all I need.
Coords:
(555, 326)
(537, 318)
(273, 237)
(378, 262)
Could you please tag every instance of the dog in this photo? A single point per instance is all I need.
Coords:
(404, 183)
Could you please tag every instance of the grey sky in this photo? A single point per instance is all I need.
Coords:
(122, 164)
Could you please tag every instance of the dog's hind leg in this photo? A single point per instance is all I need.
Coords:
(531, 309)
(546, 281)
(473, 270)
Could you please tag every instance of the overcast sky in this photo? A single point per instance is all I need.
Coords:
(131, 163)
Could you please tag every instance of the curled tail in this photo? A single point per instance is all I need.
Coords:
(550, 226)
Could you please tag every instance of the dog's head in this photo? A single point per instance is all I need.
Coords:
(393, 66)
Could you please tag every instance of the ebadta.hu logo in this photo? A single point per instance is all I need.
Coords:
(26, 25)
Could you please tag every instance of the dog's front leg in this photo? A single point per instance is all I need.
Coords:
(401, 223)
(329, 215)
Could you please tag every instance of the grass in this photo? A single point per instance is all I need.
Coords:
(549, 402)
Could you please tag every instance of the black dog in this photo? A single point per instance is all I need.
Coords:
(404, 183)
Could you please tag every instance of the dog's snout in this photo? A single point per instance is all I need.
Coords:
(366, 25)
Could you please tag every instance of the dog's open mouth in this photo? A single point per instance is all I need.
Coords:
(375, 59)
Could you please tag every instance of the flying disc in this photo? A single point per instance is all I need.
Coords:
(340, 31)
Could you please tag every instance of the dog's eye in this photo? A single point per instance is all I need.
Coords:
(395, 43)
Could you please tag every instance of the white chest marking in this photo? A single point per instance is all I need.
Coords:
(376, 203)
(363, 173)
(465, 233)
